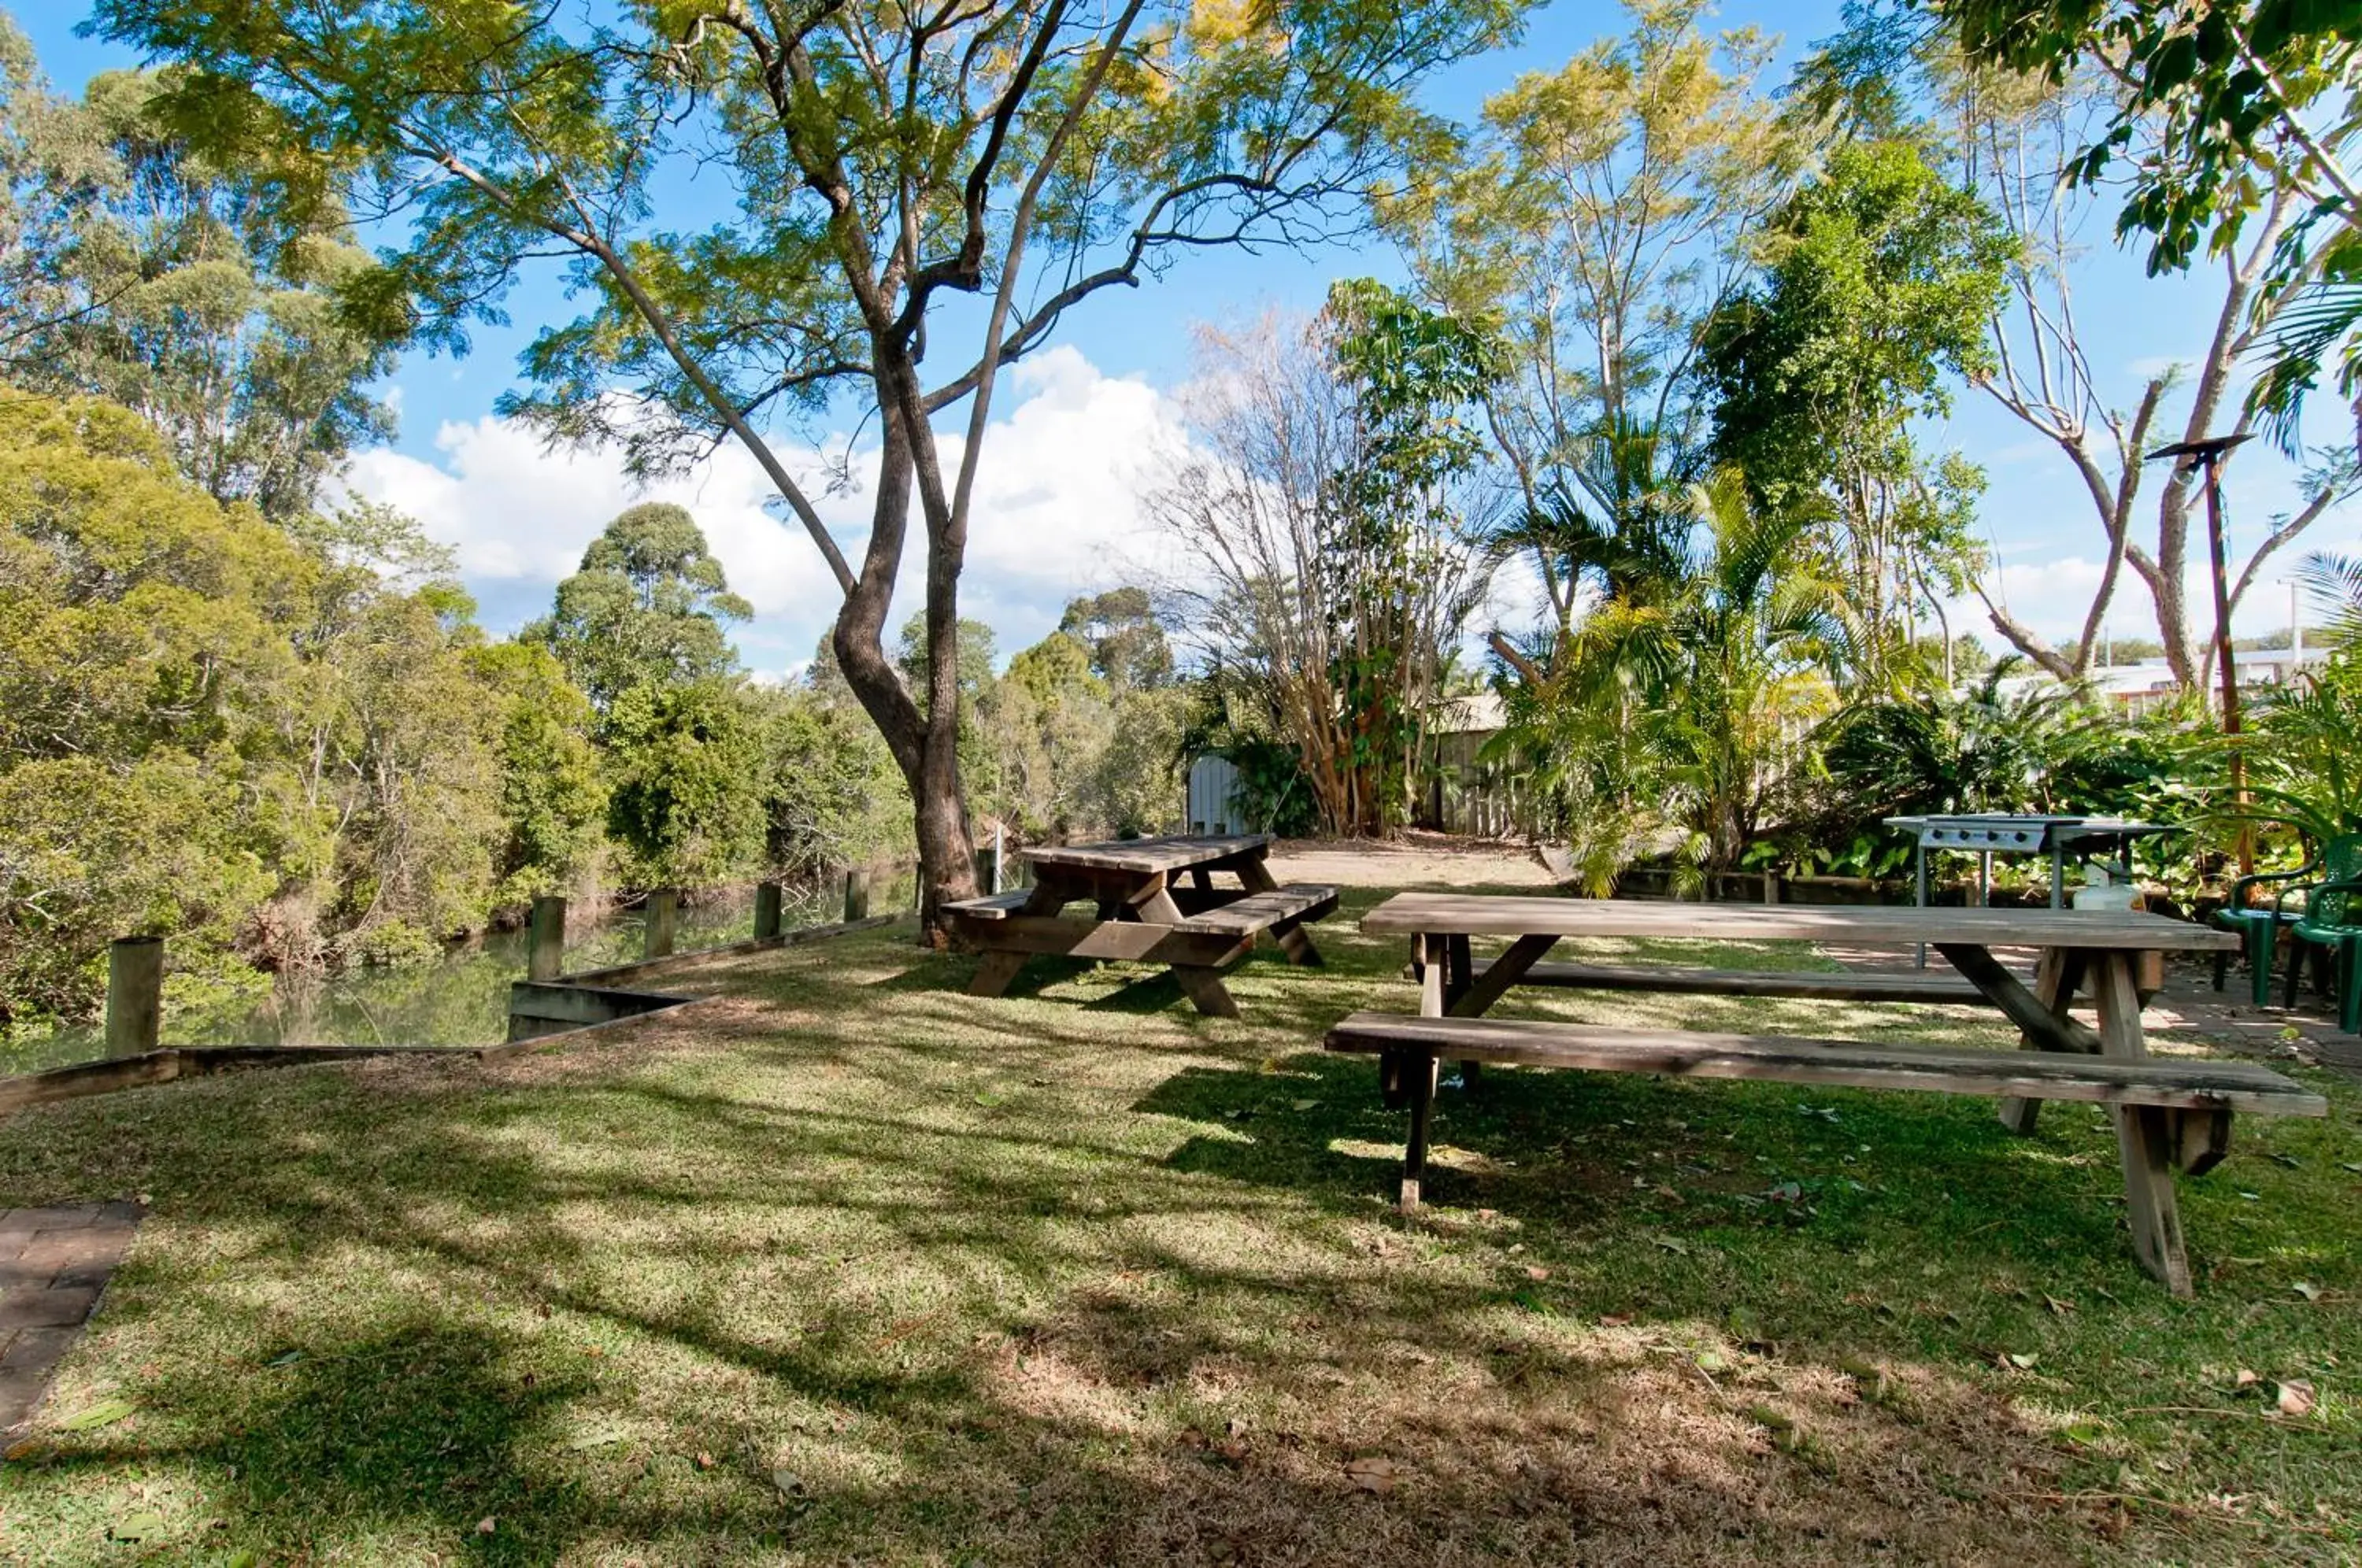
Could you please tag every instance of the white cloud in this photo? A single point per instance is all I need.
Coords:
(1056, 511)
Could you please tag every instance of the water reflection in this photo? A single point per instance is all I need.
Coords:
(460, 1000)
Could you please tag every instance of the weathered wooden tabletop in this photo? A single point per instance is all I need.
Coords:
(1469, 914)
(1147, 857)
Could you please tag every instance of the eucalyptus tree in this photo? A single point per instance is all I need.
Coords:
(2221, 102)
(2016, 140)
(1016, 158)
(134, 267)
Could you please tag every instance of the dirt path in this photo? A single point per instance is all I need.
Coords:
(1417, 859)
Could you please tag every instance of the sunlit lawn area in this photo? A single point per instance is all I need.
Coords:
(848, 1267)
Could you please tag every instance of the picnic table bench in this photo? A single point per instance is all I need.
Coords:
(2170, 1115)
(1154, 901)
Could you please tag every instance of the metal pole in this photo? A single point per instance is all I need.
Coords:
(2212, 464)
(1923, 895)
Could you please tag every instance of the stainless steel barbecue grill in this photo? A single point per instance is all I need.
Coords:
(1987, 833)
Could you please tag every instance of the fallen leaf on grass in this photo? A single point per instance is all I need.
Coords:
(106, 1412)
(486, 1524)
(1302, 1104)
(2021, 1359)
(705, 1462)
(2247, 1379)
(139, 1527)
(2296, 1397)
(1614, 1319)
(788, 1482)
(2058, 1307)
(2307, 1289)
(1536, 1271)
(1374, 1474)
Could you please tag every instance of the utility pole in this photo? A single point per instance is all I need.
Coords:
(2207, 456)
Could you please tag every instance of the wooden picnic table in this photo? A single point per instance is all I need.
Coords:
(1154, 901)
(2167, 1115)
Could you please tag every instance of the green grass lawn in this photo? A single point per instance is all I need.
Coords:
(844, 1267)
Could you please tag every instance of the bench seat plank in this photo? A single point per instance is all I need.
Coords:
(1815, 984)
(2033, 1075)
(1261, 911)
(992, 906)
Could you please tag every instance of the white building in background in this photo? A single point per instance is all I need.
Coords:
(2137, 688)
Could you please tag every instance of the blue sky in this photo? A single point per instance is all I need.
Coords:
(1057, 513)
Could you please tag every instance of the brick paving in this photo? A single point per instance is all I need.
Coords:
(53, 1265)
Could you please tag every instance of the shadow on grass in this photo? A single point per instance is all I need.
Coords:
(1023, 1281)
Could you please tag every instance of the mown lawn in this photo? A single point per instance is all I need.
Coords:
(845, 1267)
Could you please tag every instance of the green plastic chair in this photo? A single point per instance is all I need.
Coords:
(2332, 922)
(2258, 925)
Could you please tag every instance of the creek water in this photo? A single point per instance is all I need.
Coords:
(460, 998)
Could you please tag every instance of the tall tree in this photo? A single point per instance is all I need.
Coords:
(198, 290)
(1335, 515)
(2218, 99)
(1128, 647)
(2016, 140)
(1604, 216)
(647, 608)
(1879, 280)
(1031, 153)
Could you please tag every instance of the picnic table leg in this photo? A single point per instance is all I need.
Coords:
(2145, 1134)
(1205, 989)
(1254, 875)
(1296, 943)
(999, 968)
(1421, 1070)
(1458, 977)
(2056, 974)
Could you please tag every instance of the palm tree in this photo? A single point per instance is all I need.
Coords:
(1698, 676)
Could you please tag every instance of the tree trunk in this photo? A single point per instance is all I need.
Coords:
(925, 745)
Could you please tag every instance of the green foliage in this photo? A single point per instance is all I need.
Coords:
(191, 287)
(90, 851)
(647, 608)
(1879, 280)
(1603, 213)
(686, 798)
(1128, 648)
(1680, 706)
(553, 799)
(834, 797)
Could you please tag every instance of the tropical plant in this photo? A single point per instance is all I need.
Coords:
(1685, 705)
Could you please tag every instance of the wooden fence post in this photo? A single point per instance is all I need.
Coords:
(767, 911)
(544, 957)
(664, 915)
(135, 995)
(856, 894)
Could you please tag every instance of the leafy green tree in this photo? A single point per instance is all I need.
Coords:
(1879, 279)
(645, 609)
(835, 797)
(1603, 215)
(198, 290)
(1686, 704)
(1048, 721)
(553, 799)
(686, 796)
(1028, 155)
(1128, 647)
